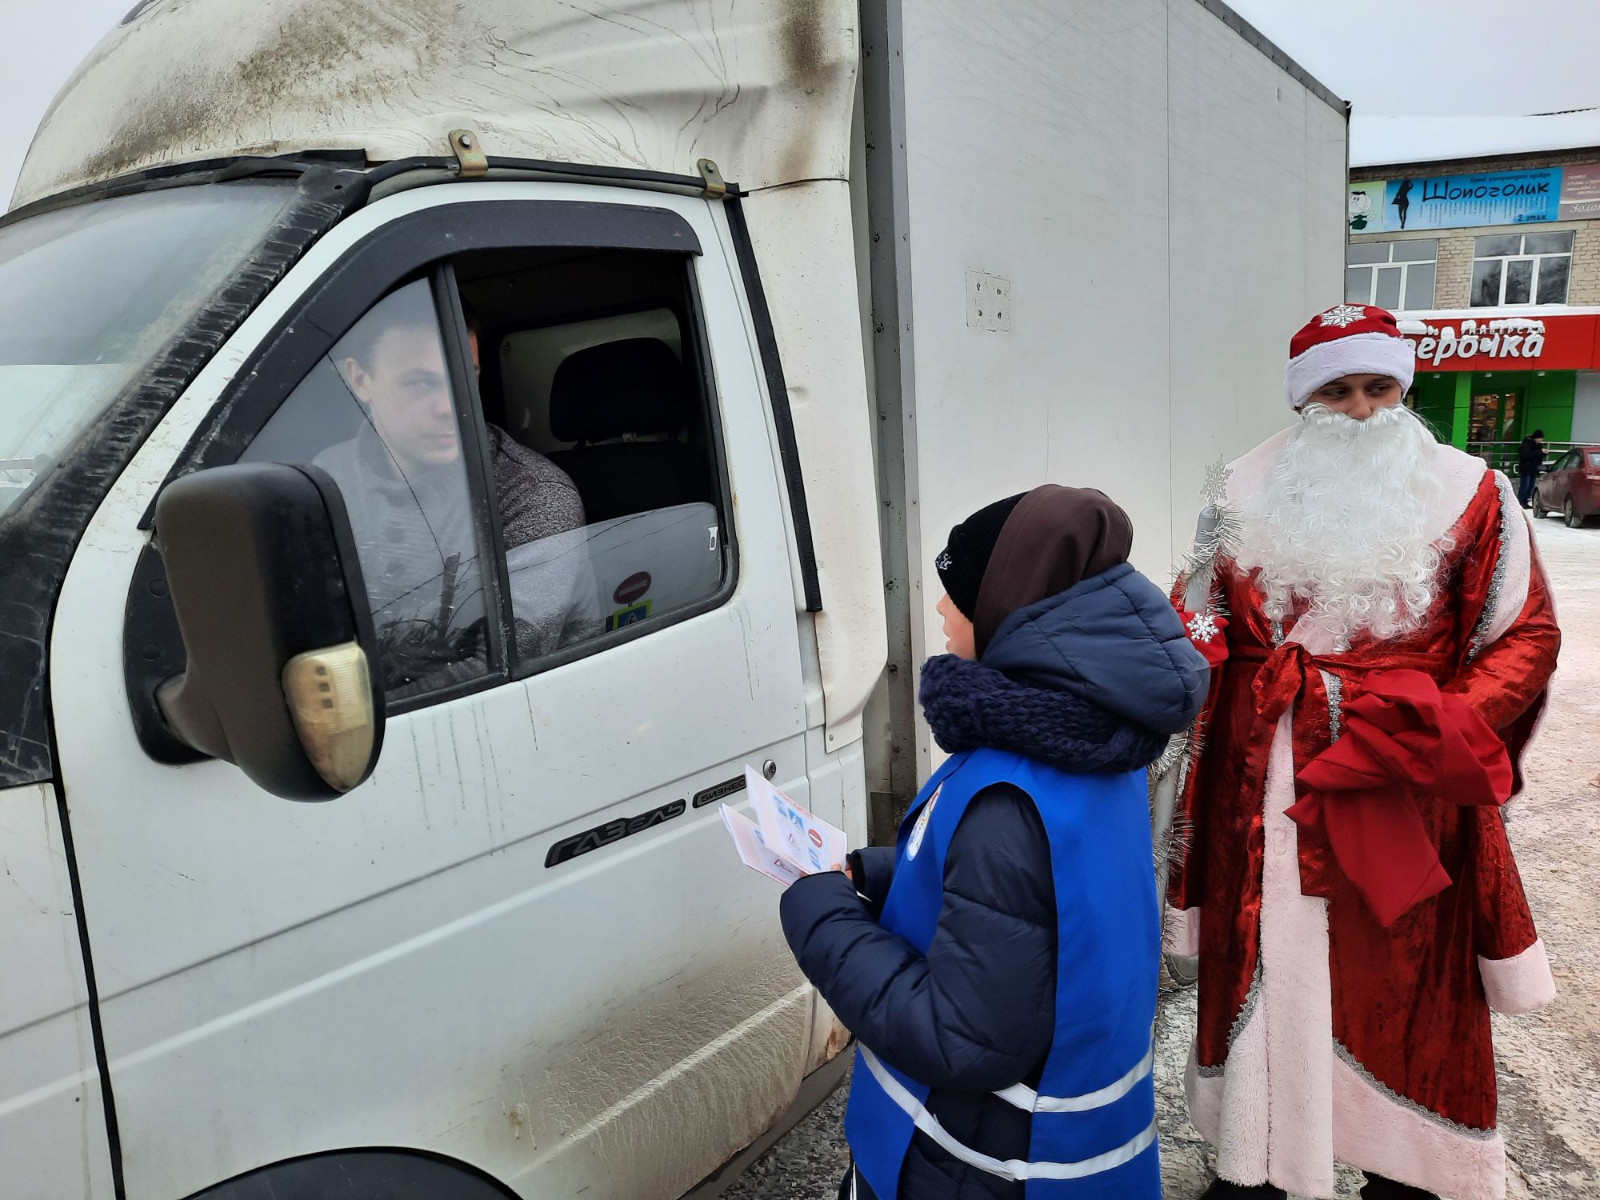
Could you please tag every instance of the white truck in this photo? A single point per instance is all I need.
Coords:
(299, 303)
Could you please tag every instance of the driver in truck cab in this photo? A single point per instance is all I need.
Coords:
(403, 476)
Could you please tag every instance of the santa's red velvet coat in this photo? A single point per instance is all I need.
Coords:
(1321, 1033)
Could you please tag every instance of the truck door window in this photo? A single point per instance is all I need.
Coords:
(590, 369)
(378, 414)
(530, 480)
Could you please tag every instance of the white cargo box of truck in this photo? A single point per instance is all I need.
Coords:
(1096, 228)
(962, 249)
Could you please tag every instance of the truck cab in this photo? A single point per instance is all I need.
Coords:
(501, 453)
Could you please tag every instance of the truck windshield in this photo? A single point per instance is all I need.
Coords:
(90, 295)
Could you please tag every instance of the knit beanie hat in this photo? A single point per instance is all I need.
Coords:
(966, 555)
(1348, 339)
(1055, 539)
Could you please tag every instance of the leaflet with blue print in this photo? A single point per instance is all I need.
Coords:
(785, 841)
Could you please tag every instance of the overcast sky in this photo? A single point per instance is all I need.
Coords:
(1442, 57)
(1390, 57)
(41, 41)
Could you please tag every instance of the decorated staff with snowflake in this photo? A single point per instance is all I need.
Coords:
(1381, 635)
(1195, 599)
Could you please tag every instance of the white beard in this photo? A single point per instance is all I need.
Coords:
(1341, 523)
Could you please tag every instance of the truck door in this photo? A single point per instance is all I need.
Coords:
(523, 944)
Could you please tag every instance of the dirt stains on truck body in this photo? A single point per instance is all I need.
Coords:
(765, 88)
(335, 53)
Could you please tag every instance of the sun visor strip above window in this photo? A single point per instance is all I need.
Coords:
(386, 257)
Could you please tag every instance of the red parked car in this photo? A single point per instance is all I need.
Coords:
(1571, 487)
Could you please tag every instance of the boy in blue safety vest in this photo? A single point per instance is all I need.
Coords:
(998, 966)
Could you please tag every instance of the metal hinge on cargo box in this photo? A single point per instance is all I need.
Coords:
(471, 163)
(716, 188)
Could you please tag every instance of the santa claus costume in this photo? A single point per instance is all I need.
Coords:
(1383, 634)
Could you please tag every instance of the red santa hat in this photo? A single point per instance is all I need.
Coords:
(1348, 339)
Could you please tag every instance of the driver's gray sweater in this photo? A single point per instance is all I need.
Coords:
(417, 544)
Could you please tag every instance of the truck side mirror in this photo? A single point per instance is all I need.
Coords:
(268, 593)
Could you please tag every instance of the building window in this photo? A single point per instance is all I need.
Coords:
(1391, 274)
(1521, 268)
(1493, 416)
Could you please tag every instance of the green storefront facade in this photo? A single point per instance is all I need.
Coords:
(1511, 404)
(1476, 396)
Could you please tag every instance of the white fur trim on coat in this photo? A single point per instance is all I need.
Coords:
(1515, 573)
(1519, 984)
(1378, 1131)
(1357, 354)
(1182, 938)
(1270, 1111)
(1230, 1109)
(1296, 994)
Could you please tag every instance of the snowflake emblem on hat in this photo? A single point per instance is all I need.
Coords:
(1203, 627)
(1343, 315)
(944, 561)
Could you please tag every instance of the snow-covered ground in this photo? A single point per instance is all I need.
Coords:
(1550, 1063)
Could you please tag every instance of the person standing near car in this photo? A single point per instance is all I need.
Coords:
(1530, 462)
(999, 965)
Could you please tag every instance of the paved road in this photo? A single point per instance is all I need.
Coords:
(1549, 1063)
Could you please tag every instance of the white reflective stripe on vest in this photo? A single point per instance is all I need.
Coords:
(1029, 1100)
(1013, 1169)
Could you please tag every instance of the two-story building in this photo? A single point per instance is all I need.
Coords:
(1492, 262)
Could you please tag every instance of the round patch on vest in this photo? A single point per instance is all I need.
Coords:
(921, 827)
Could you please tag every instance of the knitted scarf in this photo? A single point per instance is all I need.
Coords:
(970, 706)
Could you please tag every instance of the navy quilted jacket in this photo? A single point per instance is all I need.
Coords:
(1094, 679)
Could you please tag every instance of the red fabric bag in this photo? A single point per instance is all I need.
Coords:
(1405, 744)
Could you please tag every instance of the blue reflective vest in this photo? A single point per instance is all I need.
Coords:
(1093, 1126)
